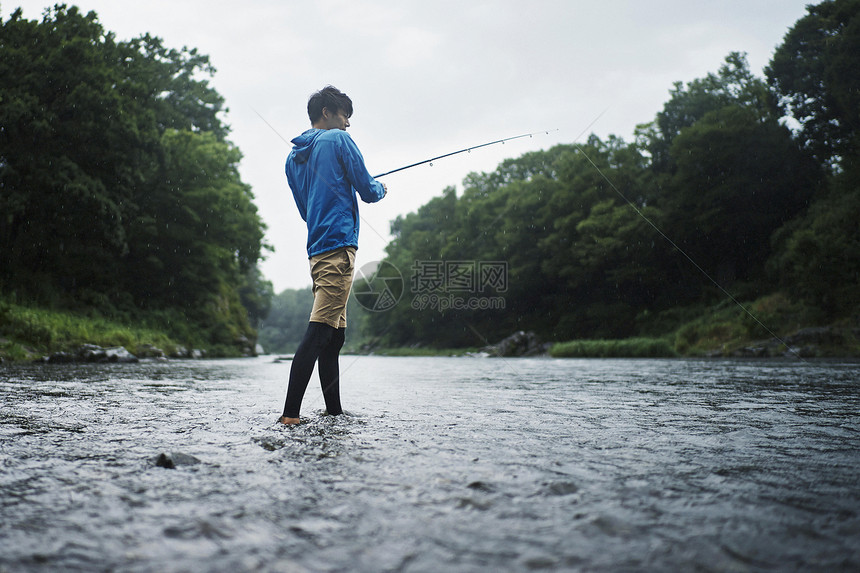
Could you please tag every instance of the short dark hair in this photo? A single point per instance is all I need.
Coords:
(331, 98)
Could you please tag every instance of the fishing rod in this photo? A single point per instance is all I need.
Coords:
(432, 159)
(465, 150)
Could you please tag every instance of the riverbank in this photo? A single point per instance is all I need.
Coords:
(773, 327)
(769, 327)
(32, 333)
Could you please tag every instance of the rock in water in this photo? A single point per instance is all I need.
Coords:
(173, 459)
(149, 351)
(119, 354)
(92, 353)
(518, 344)
(179, 352)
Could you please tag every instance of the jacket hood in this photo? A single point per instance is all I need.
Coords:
(304, 143)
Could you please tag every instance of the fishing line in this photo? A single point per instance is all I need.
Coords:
(270, 126)
(688, 257)
(510, 204)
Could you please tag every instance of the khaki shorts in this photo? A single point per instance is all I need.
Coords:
(332, 275)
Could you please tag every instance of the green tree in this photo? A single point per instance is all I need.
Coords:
(420, 236)
(733, 84)
(814, 74)
(738, 179)
(198, 225)
(599, 251)
(583, 228)
(197, 235)
(66, 180)
(83, 118)
(256, 294)
(818, 259)
(119, 187)
(565, 276)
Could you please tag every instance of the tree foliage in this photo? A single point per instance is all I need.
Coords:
(813, 73)
(818, 255)
(814, 76)
(119, 187)
(738, 178)
(603, 237)
(732, 85)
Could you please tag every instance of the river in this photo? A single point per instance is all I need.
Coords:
(440, 464)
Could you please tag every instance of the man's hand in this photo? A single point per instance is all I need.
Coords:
(384, 189)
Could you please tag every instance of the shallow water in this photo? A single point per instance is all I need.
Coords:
(457, 464)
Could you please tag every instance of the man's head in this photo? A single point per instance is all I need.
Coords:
(329, 108)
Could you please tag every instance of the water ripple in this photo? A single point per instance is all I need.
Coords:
(441, 463)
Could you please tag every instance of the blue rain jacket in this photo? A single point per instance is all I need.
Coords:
(325, 170)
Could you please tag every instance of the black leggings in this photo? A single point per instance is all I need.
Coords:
(321, 342)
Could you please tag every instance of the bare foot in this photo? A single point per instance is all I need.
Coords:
(289, 421)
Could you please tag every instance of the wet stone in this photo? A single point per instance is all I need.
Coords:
(174, 459)
(92, 353)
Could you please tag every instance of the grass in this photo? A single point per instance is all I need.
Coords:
(719, 330)
(727, 327)
(31, 332)
(626, 348)
(423, 351)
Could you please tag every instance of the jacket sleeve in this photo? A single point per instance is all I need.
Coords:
(369, 189)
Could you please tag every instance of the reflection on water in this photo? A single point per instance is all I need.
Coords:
(440, 464)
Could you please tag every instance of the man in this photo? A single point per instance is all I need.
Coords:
(325, 170)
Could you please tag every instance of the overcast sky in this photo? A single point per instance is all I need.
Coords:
(428, 77)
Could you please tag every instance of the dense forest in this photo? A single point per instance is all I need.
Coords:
(741, 189)
(119, 190)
